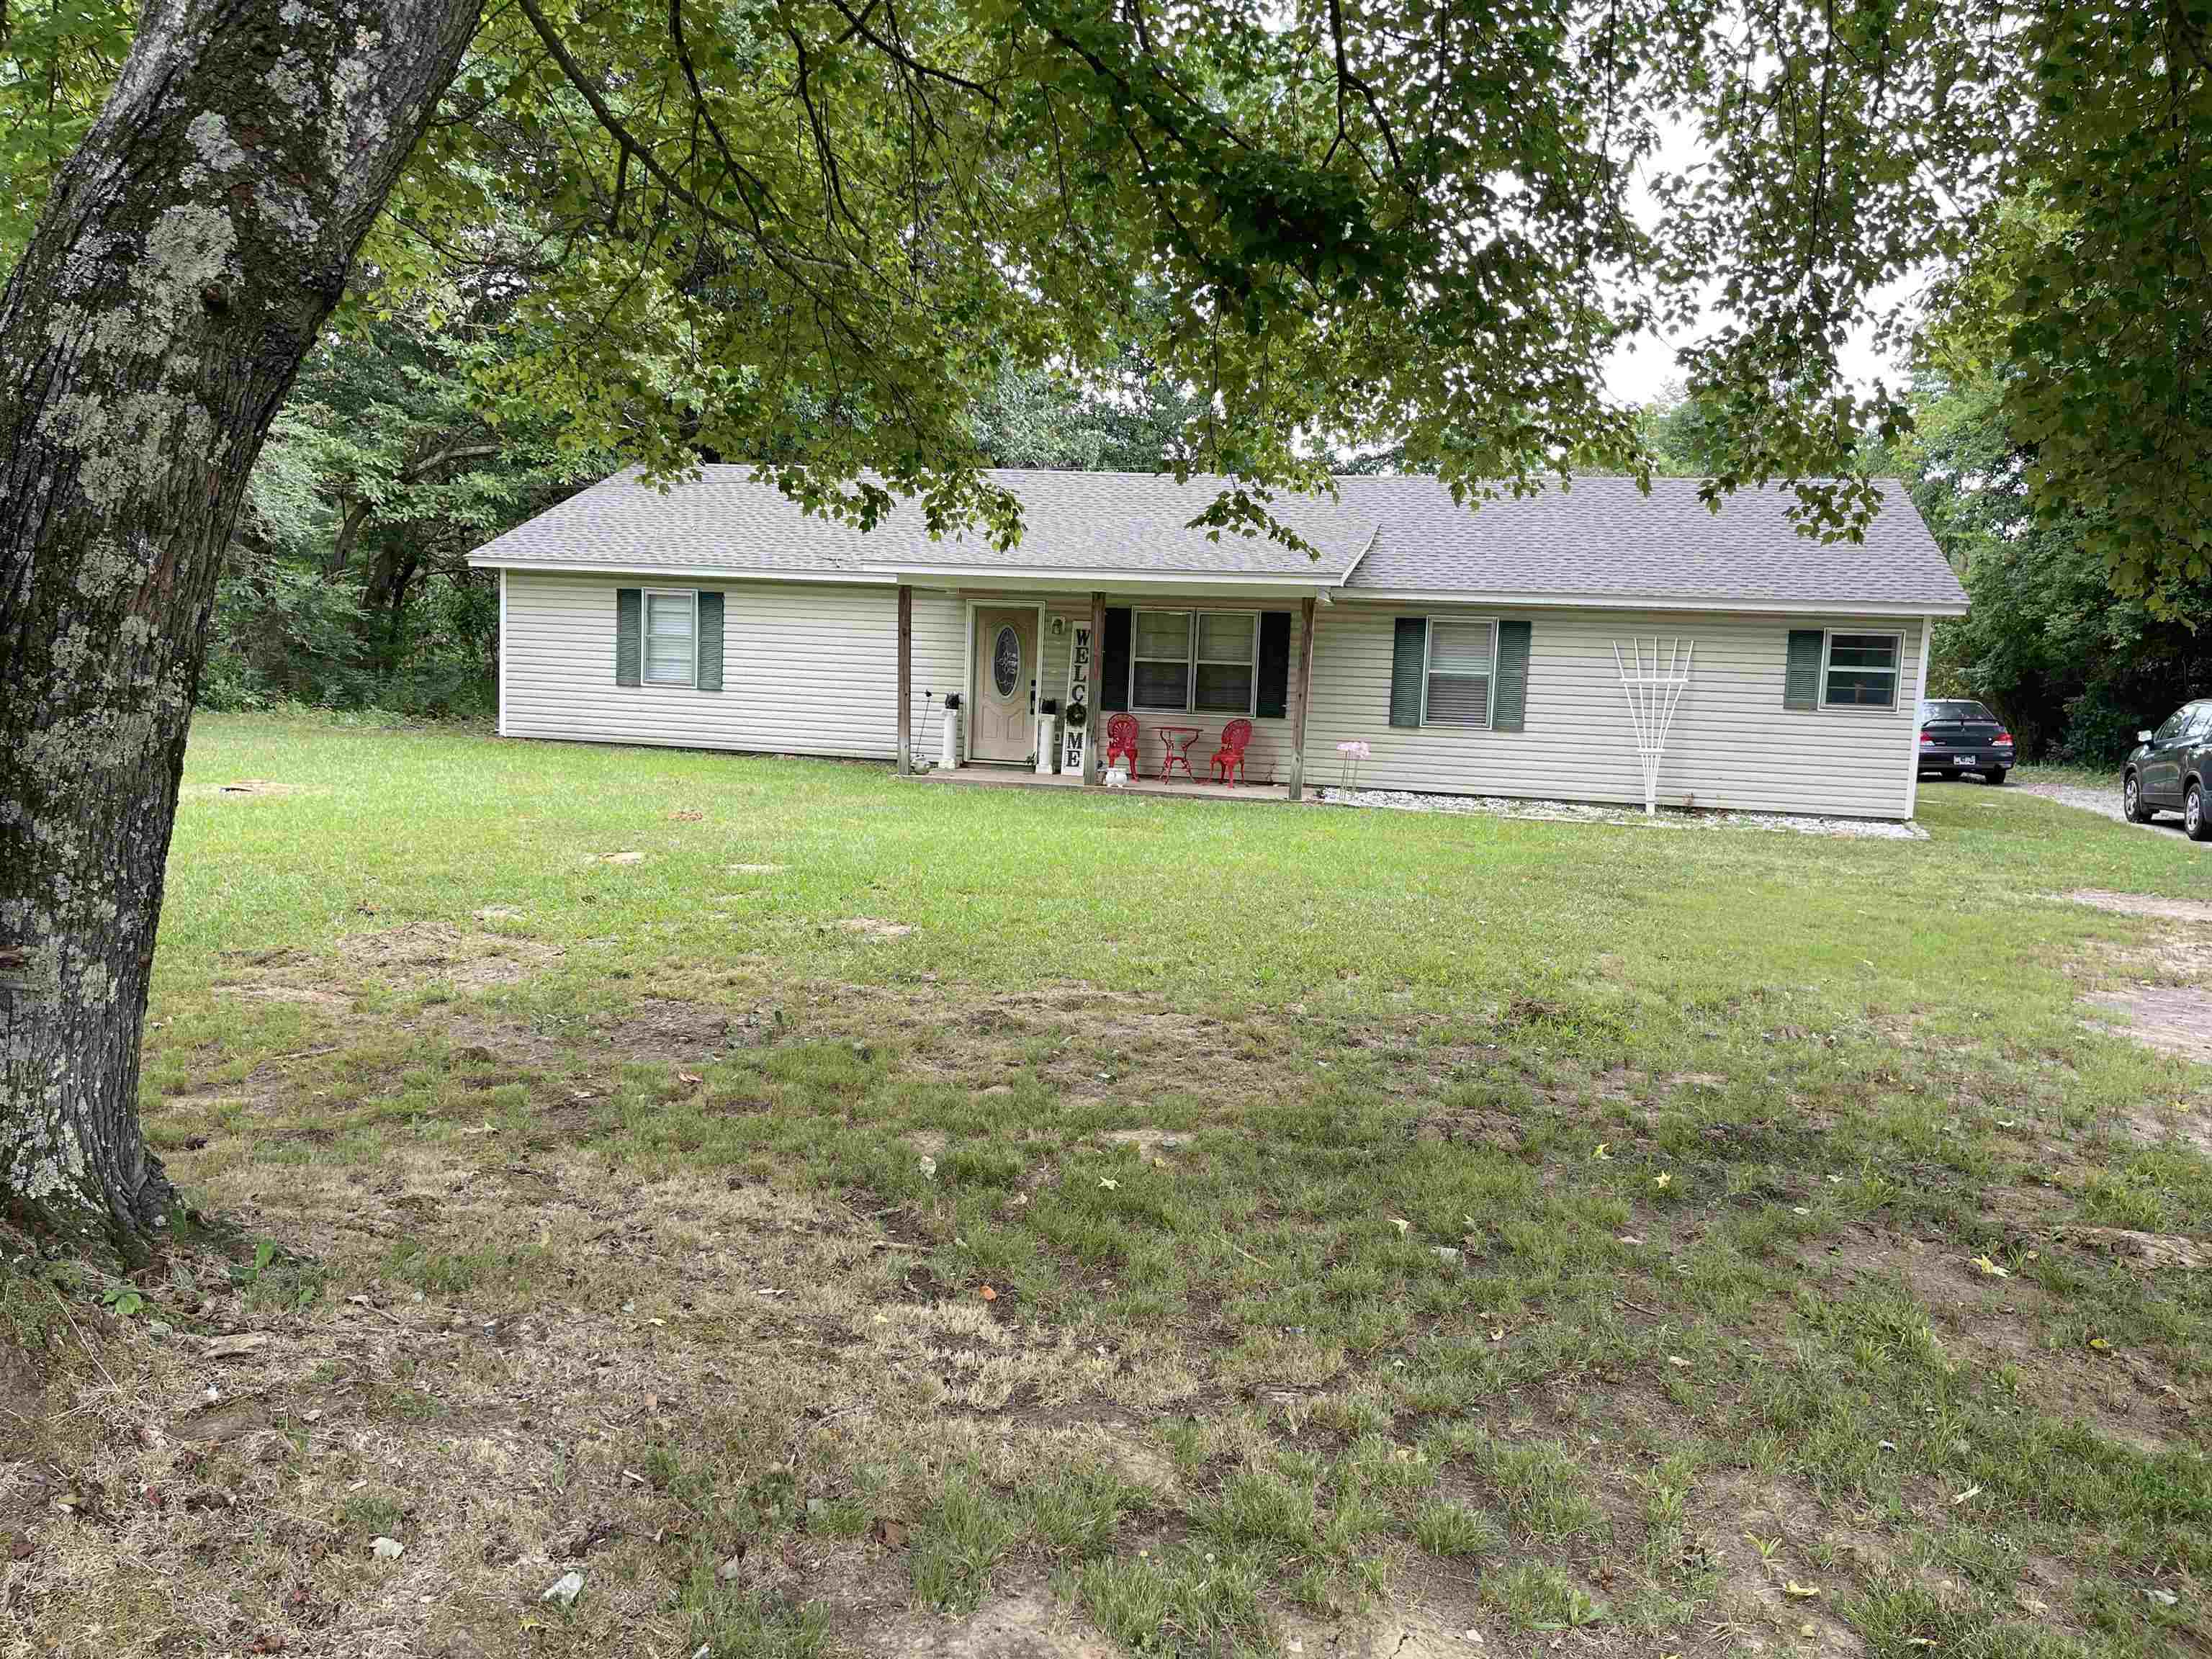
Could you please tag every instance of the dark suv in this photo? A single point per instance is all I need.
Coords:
(2171, 768)
(1957, 734)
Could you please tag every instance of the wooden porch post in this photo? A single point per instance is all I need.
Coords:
(906, 681)
(1093, 743)
(1301, 693)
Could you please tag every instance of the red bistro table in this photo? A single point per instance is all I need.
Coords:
(1177, 741)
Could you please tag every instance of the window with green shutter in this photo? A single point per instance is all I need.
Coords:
(1409, 652)
(710, 641)
(1510, 702)
(1800, 673)
(628, 607)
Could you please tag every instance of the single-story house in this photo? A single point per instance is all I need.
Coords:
(1475, 651)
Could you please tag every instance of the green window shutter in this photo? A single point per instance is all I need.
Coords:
(1113, 662)
(710, 641)
(1512, 693)
(1801, 679)
(629, 608)
(1409, 653)
(1274, 699)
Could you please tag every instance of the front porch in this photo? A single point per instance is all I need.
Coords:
(1220, 660)
(1018, 777)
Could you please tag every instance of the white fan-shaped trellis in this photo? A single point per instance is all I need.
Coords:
(1652, 693)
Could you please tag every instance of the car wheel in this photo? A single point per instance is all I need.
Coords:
(2131, 801)
(2193, 814)
(1994, 777)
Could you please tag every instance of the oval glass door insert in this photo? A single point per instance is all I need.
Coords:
(1006, 660)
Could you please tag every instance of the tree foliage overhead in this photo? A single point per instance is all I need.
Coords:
(809, 230)
(1343, 220)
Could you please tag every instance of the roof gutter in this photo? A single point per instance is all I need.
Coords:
(1541, 601)
(722, 572)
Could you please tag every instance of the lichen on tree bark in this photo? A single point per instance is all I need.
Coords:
(186, 257)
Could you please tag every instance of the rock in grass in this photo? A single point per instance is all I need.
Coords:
(387, 1549)
(565, 1589)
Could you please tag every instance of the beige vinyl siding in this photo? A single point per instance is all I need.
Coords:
(1732, 744)
(810, 668)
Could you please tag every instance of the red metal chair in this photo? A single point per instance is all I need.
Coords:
(1229, 759)
(1122, 740)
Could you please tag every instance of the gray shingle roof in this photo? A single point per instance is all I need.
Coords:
(1605, 538)
(1602, 539)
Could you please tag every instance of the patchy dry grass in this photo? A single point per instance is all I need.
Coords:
(1432, 1236)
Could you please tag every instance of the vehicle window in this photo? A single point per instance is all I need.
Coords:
(2201, 724)
(1956, 709)
(2171, 728)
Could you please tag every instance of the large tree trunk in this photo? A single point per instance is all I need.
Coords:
(189, 252)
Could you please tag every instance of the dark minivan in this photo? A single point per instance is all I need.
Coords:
(2171, 769)
(1959, 735)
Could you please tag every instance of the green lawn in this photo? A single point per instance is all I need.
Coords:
(1666, 1238)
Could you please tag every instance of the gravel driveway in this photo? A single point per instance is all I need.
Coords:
(2105, 802)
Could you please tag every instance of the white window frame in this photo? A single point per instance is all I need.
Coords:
(645, 635)
(1490, 691)
(1896, 673)
(1191, 659)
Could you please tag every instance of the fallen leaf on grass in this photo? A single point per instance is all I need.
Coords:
(387, 1549)
(888, 1533)
(1989, 1269)
(1109, 1184)
(1677, 1360)
(989, 1294)
(690, 1079)
(1971, 1492)
(1798, 1592)
(1401, 1225)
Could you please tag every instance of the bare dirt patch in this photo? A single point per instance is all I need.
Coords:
(1029, 1625)
(875, 928)
(1395, 1633)
(1148, 1143)
(2174, 1019)
(2156, 1250)
(2143, 904)
(415, 954)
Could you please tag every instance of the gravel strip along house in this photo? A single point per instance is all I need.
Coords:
(1472, 651)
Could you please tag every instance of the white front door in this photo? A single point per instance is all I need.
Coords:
(1004, 727)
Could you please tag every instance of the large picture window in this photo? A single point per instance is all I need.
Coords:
(1194, 661)
(1860, 670)
(671, 637)
(1460, 670)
